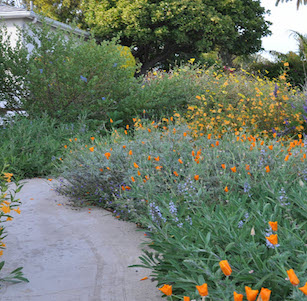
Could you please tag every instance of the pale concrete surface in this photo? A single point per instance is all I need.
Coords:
(72, 255)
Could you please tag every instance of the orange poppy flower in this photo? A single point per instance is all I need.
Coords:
(111, 120)
(264, 295)
(176, 174)
(287, 158)
(127, 127)
(125, 131)
(76, 139)
(144, 278)
(149, 130)
(65, 146)
(135, 165)
(247, 167)
(226, 189)
(157, 158)
(180, 161)
(91, 149)
(223, 166)
(303, 289)
(130, 153)
(233, 169)
(101, 169)
(225, 267)
(132, 179)
(267, 168)
(147, 178)
(270, 147)
(139, 173)
(196, 177)
(202, 289)
(209, 136)
(292, 277)
(166, 289)
(251, 295)
(217, 143)
(193, 153)
(92, 138)
(237, 297)
(273, 239)
(159, 167)
(274, 225)
(148, 158)
(127, 187)
(124, 146)
(185, 298)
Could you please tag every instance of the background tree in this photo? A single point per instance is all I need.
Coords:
(65, 11)
(162, 31)
(298, 2)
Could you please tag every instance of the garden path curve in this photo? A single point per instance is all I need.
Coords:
(69, 254)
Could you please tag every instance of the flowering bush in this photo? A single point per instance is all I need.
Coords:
(201, 202)
(8, 204)
(236, 101)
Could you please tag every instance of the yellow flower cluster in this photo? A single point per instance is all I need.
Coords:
(239, 102)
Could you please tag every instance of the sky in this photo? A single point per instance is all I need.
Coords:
(285, 17)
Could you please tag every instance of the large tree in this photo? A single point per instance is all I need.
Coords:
(168, 30)
(161, 30)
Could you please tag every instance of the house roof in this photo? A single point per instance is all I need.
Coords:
(11, 12)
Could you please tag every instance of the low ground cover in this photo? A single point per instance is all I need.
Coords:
(201, 201)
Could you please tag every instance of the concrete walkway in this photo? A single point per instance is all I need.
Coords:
(71, 254)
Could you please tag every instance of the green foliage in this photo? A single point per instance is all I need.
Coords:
(296, 74)
(298, 2)
(66, 76)
(31, 147)
(166, 31)
(69, 76)
(193, 223)
(8, 204)
(13, 69)
(66, 11)
(161, 93)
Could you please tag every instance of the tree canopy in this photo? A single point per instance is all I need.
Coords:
(163, 31)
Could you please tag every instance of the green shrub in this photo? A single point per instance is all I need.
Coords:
(13, 69)
(32, 146)
(296, 73)
(161, 93)
(67, 76)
